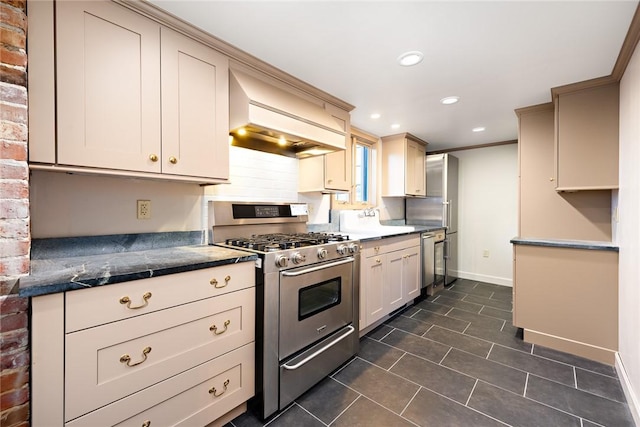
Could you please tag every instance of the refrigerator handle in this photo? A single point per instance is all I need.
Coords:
(449, 203)
(445, 213)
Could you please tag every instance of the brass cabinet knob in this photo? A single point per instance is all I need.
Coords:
(552, 179)
(173, 160)
(153, 157)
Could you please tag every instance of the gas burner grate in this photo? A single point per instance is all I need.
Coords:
(281, 241)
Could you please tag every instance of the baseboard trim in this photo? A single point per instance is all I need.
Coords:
(627, 387)
(588, 351)
(504, 281)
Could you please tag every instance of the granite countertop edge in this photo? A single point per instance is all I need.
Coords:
(49, 276)
(366, 237)
(571, 244)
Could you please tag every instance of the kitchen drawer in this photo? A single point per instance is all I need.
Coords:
(389, 244)
(186, 399)
(96, 306)
(178, 339)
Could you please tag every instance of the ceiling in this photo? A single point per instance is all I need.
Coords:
(496, 56)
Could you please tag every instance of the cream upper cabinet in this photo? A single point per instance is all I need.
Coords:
(133, 96)
(586, 138)
(544, 212)
(330, 172)
(108, 87)
(403, 166)
(326, 174)
(195, 108)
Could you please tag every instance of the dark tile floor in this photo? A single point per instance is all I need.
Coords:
(455, 359)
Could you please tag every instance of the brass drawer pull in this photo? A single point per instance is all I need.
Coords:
(214, 282)
(173, 160)
(153, 158)
(213, 391)
(125, 358)
(214, 328)
(147, 423)
(127, 300)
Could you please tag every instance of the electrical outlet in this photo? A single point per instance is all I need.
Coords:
(144, 209)
(485, 253)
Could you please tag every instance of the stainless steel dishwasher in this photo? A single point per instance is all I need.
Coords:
(428, 259)
(433, 261)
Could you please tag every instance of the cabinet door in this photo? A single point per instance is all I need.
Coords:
(393, 280)
(375, 293)
(195, 108)
(337, 165)
(415, 178)
(108, 79)
(411, 274)
(587, 139)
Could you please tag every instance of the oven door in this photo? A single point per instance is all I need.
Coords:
(315, 301)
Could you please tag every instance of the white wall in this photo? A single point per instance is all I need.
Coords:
(628, 233)
(487, 212)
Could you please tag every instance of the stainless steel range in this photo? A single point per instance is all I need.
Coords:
(307, 287)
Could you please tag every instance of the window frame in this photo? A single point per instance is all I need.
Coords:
(359, 137)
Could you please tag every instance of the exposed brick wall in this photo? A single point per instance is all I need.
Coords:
(15, 240)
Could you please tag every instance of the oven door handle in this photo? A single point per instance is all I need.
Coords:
(317, 267)
(321, 350)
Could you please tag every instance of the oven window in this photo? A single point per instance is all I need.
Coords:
(319, 297)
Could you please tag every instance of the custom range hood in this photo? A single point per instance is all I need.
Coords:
(266, 118)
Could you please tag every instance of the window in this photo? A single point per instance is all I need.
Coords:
(363, 173)
(362, 169)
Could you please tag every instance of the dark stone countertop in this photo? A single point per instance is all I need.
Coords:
(571, 244)
(69, 271)
(389, 232)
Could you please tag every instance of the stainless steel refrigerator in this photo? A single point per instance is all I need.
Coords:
(440, 209)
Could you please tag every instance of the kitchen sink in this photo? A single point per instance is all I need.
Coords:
(367, 222)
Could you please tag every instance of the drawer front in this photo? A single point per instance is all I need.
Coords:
(105, 363)
(96, 306)
(389, 244)
(187, 399)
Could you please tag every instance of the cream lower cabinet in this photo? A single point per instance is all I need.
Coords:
(172, 350)
(131, 96)
(389, 278)
(567, 299)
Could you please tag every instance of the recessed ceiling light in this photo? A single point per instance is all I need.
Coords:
(450, 100)
(478, 129)
(395, 126)
(375, 116)
(408, 59)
